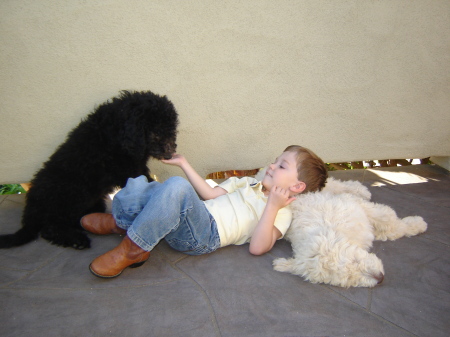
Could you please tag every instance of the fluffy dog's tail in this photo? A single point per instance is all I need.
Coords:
(386, 224)
(21, 237)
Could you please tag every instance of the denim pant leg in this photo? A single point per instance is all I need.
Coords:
(172, 210)
(131, 200)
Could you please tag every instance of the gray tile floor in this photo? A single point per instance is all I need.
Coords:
(48, 291)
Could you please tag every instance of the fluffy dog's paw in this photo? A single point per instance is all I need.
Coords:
(415, 225)
(283, 265)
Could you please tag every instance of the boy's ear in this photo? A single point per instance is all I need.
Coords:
(298, 188)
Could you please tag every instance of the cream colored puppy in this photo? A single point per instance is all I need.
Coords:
(333, 230)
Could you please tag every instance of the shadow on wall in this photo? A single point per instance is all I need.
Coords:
(331, 167)
(23, 188)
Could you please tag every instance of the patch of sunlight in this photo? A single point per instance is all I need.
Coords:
(111, 195)
(398, 178)
(211, 183)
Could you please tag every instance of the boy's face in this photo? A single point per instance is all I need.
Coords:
(282, 173)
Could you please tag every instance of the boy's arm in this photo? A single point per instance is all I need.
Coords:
(266, 234)
(200, 185)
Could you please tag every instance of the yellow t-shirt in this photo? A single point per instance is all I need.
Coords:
(237, 213)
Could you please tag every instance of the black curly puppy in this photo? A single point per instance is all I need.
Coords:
(110, 145)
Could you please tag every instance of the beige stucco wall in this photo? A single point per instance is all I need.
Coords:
(353, 80)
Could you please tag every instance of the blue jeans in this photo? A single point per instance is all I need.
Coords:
(171, 210)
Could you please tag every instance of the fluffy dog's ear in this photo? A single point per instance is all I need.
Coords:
(261, 173)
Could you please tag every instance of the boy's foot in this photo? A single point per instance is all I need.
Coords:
(100, 224)
(112, 263)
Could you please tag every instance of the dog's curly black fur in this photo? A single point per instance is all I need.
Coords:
(110, 145)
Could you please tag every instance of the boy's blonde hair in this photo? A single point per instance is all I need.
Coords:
(311, 169)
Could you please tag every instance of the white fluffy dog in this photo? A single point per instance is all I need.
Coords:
(332, 232)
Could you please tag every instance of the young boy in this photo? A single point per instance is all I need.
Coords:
(235, 212)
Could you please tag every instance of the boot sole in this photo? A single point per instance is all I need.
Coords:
(134, 265)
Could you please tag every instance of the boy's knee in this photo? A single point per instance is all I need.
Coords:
(178, 183)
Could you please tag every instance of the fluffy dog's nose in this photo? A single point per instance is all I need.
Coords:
(380, 278)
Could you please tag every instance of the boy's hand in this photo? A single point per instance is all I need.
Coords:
(200, 185)
(266, 234)
(279, 197)
(177, 160)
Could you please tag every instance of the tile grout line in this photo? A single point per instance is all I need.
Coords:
(211, 308)
(369, 310)
(8, 284)
(145, 285)
(3, 198)
(203, 291)
(414, 196)
(369, 300)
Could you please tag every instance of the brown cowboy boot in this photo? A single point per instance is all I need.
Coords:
(112, 263)
(101, 223)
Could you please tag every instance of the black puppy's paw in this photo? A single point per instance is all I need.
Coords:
(66, 238)
(82, 242)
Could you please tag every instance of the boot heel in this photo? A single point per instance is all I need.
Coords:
(135, 265)
(112, 263)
